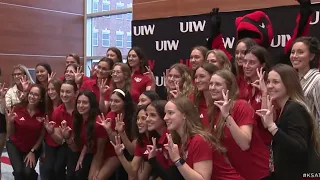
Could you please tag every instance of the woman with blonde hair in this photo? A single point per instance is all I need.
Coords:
(219, 59)
(236, 128)
(295, 136)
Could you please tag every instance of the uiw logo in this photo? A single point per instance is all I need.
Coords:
(316, 18)
(228, 42)
(280, 40)
(143, 30)
(167, 45)
(192, 26)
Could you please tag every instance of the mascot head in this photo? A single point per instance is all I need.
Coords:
(256, 26)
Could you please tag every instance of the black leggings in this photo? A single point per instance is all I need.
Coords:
(83, 173)
(21, 171)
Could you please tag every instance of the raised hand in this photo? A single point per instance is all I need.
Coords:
(119, 123)
(150, 74)
(65, 130)
(49, 125)
(78, 75)
(11, 115)
(51, 76)
(165, 76)
(224, 105)
(260, 83)
(103, 87)
(172, 148)
(93, 71)
(105, 123)
(152, 149)
(215, 18)
(25, 83)
(3, 90)
(118, 146)
(267, 114)
(176, 92)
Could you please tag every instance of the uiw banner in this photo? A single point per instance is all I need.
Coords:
(169, 40)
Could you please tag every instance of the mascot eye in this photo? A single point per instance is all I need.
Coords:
(262, 25)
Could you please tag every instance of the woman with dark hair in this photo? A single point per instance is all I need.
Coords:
(74, 72)
(114, 54)
(142, 78)
(295, 135)
(58, 154)
(304, 57)
(88, 136)
(26, 132)
(101, 85)
(43, 71)
(72, 58)
(119, 121)
(147, 97)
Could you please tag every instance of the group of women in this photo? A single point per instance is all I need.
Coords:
(260, 121)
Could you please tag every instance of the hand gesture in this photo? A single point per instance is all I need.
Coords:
(49, 125)
(105, 123)
(215, 18)
(30, 160)
(11, 115)
(51, 76)
(103, 87)
(25, 83)
(118, 147)
(260, 83)
(79, 163)
(176, 92)
(93, 70)
(165, 76)
(119, 123)
(224, 105)
(152, 149)
(267, 114)
(3, 90)
(78, 75)
(65, 130)
(172, 148)
(150, 74)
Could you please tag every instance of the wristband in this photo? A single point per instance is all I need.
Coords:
(179, 162)
(225, 119)
(273, 127)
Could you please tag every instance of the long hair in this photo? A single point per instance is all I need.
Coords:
(135, 129)
(210, 68)
(127, 77)
(192, 125)
(46, 66)
(129, 110)
(41, 105)
(110, 64)
(151, 95)
(142, 57)
(57, 86)
(221, 57)
(290, 80)
(313, 46)
(117, 52)
(25, 72)
(213, 111)
(158, 105)
(262, 55)
(187, 85)
(238, 71)
(90, 123)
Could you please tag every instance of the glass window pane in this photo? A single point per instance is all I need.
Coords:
(108, 32)
(107, 5)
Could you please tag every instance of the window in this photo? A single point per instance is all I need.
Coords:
(119, 5)
(119, 39)
(129, 15)
(106, 38)
(95, 37)
(106, 5)
(95, 5)
(128, 40)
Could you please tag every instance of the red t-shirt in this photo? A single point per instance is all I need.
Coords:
(92, 85)
(98, 132)
(27, 129)
(109, 150)
(203, 110)
(58, 115)
(253, 163)
(243, 87)
(197, 150)
(141, 150)
(139, 83)
(84, 78)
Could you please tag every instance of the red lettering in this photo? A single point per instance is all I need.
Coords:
(151, 64)
(186, 62)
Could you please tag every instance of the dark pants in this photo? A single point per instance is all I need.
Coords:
(21, 171)
(83, 173)
(49, 168)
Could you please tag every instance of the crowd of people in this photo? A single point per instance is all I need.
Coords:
(221, 120)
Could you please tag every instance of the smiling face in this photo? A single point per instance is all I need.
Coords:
(103, 70)
(154, 121)
(250, 65)
(41, 74)
(196, 58)
(144, 100)
(52, 93)
(202, 79)
(174, 118)
(300, 56)
(142, 121)
(34, 96)
(275, 86)
(17, 75)
(217, 85)
(69, 73)
(112, 55)
(174, 77)
(133, 59)
(240, 53)
(70, 60)
(67, 93)
(83, 105)
(116, 103)
(117, 74)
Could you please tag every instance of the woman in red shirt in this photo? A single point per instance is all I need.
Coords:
(26, 132)
(122, 109)
(142, 78)
(236, 128)
(201, 96)
(197, 57)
